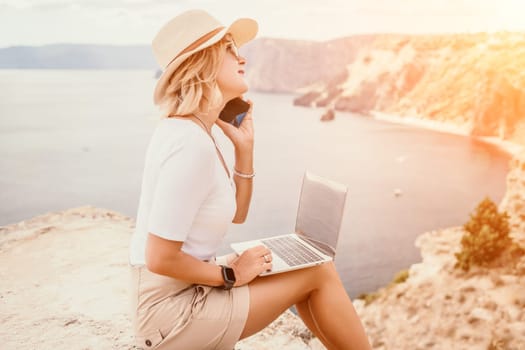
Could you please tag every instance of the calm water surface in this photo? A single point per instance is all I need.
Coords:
(72, 138)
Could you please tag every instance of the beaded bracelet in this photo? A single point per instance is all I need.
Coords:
(244, 176)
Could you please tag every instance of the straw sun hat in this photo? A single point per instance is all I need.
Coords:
(190, 32)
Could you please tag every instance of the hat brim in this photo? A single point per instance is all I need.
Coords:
(242, 31)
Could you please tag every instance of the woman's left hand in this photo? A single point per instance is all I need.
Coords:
(242, 136)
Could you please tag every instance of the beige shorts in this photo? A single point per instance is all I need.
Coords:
(171, 314)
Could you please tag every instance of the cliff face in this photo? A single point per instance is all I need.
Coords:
(475, 81)
(278, 65)
(514, 200)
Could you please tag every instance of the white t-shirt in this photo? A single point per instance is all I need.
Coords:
(186, 194)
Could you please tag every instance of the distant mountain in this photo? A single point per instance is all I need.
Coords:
(72, 56)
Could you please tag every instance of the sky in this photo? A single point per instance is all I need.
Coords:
(124, 22)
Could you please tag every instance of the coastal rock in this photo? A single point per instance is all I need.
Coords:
(473, 81)
(514, 200)
(281, 65)
(328, 115)
(287, 332)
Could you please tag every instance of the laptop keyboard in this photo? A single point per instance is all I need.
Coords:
(291, 251)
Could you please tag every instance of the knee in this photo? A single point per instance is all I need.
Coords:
(329, 269)
(326, 272)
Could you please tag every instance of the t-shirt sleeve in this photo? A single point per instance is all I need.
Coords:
(182, 186)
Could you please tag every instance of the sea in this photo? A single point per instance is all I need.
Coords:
(72, 138)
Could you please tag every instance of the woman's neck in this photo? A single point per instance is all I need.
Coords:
(202, 122)
(207, 118)
(204, 119)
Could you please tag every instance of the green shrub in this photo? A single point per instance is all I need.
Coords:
(401, 277)
(368, 297)
(486, 236)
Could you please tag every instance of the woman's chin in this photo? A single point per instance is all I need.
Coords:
(236, 93)
(244, 89)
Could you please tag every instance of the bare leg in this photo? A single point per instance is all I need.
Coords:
(330, 308)
(303, 308)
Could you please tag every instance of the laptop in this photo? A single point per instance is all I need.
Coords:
(319, 217)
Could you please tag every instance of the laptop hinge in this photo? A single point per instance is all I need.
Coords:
(323, 247)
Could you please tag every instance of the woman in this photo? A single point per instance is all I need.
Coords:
(183, 299)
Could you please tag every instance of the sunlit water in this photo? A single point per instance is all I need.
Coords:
(71, 138)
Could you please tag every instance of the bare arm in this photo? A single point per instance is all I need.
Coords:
(242, 139)
(243, 195)
(164, 257)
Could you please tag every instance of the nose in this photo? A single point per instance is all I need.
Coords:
(241, 60)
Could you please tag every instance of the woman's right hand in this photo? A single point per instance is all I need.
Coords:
(250, 264)
(242, 136)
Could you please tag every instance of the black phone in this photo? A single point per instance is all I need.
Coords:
(234, 111)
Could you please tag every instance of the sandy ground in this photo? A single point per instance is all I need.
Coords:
(65, 284)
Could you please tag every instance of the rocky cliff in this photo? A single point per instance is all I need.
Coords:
(279, 65)
(514, 200)
(474, 81)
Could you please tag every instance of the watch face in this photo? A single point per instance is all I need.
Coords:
(230, 275)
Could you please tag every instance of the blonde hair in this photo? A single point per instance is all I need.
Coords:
(193, 86)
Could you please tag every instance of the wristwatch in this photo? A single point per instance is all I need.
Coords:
(228, 276)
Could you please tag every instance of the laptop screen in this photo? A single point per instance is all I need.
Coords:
(320, 212)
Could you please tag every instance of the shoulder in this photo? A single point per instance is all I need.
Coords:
(176, 136)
